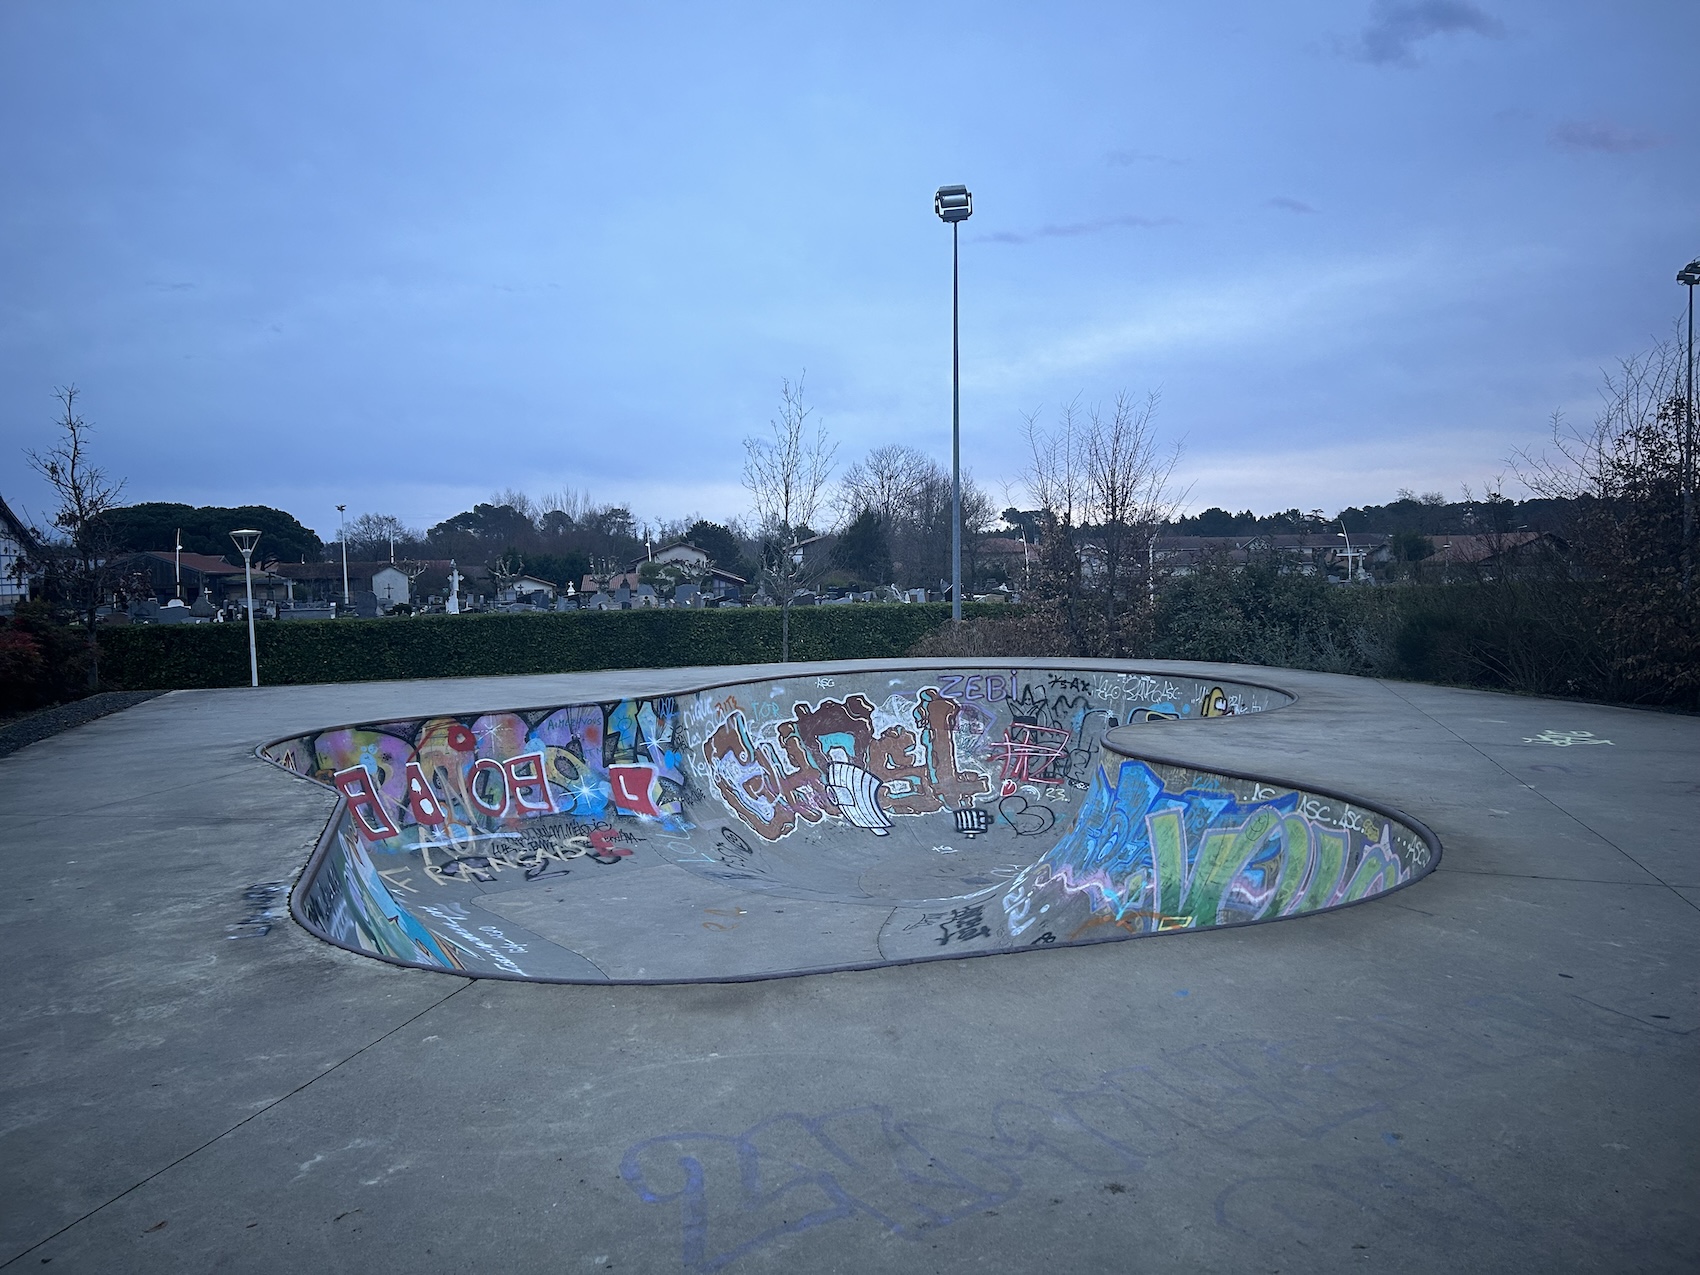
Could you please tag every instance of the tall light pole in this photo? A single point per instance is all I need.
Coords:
(342, 538)
(1348, 540)
(1690, 275)
(955, 205)
(245, 541)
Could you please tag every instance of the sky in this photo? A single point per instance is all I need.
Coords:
(400, 256)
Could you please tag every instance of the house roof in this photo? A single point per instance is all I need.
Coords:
(364, 570)
(1460, 550)
(14, 526)
(204, 563)
(1319, 540)
(658, 550)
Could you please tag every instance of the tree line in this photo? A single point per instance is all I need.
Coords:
(1613, 615)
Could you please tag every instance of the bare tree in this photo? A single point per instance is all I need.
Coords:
(1128, 491)
(909, 493)
(1103, 477)
(1630, 475)
(1056, 478)
(373, 536)
(890, 481)
(786, 473)
(81, 561)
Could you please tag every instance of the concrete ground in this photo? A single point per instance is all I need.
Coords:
(1492, 1070)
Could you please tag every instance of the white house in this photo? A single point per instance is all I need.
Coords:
(19, 552)
(526, 588)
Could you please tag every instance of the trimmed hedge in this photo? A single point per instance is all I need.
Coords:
(186, 656)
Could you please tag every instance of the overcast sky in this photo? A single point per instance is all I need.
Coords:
(402, 255)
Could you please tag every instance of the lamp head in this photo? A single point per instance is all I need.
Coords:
(953, 203)
(1689, 274)
(245, 540)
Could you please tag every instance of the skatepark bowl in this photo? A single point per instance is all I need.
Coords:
(839, 820)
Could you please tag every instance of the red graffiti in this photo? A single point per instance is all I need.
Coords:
(632, 786)
(356, 787)
(427, 808)
(1032, 755)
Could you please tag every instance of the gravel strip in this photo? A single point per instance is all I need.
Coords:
(50, 721)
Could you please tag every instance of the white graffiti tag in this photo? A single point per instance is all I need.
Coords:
(1565, 738)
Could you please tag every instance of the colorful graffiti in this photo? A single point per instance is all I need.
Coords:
(448, 781)
(940, 743)
(1158, 848)
(845, 759)
(474, 843)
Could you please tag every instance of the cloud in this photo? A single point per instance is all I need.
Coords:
(1394, 29)
(1214, 319)
(1290, 205)
(1073, 229)
(1598, 135)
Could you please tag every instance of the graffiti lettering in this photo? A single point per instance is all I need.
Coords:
(964, 926)
(262, 902)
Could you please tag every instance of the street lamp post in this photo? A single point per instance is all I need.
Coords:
(245, 541)
(955, 205)
(1689, 275)
(1348, 540)
(342, 537)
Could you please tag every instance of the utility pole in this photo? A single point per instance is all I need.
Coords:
(342, 536)
(1689, 275)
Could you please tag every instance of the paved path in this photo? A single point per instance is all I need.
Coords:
(1492, 1070)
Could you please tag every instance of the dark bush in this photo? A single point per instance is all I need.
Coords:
(43, 659)
(167, 657)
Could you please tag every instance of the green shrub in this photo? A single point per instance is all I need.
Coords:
(182, 656)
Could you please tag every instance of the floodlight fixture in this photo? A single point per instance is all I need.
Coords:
(953, 204)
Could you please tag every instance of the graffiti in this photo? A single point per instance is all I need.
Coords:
(857, 793)
(734, 1196)
(990, 687)
(843, 759)
(494, 949)
(972, 821)
(1064, 718)
(263, 902)
(449, 779)
(442, 818)
(1215, 704)
(352, 903)
(964, 926)
(1032, 754)
(1565, 738)
(1148, 858)
(1027, 819)
(793, 1173)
